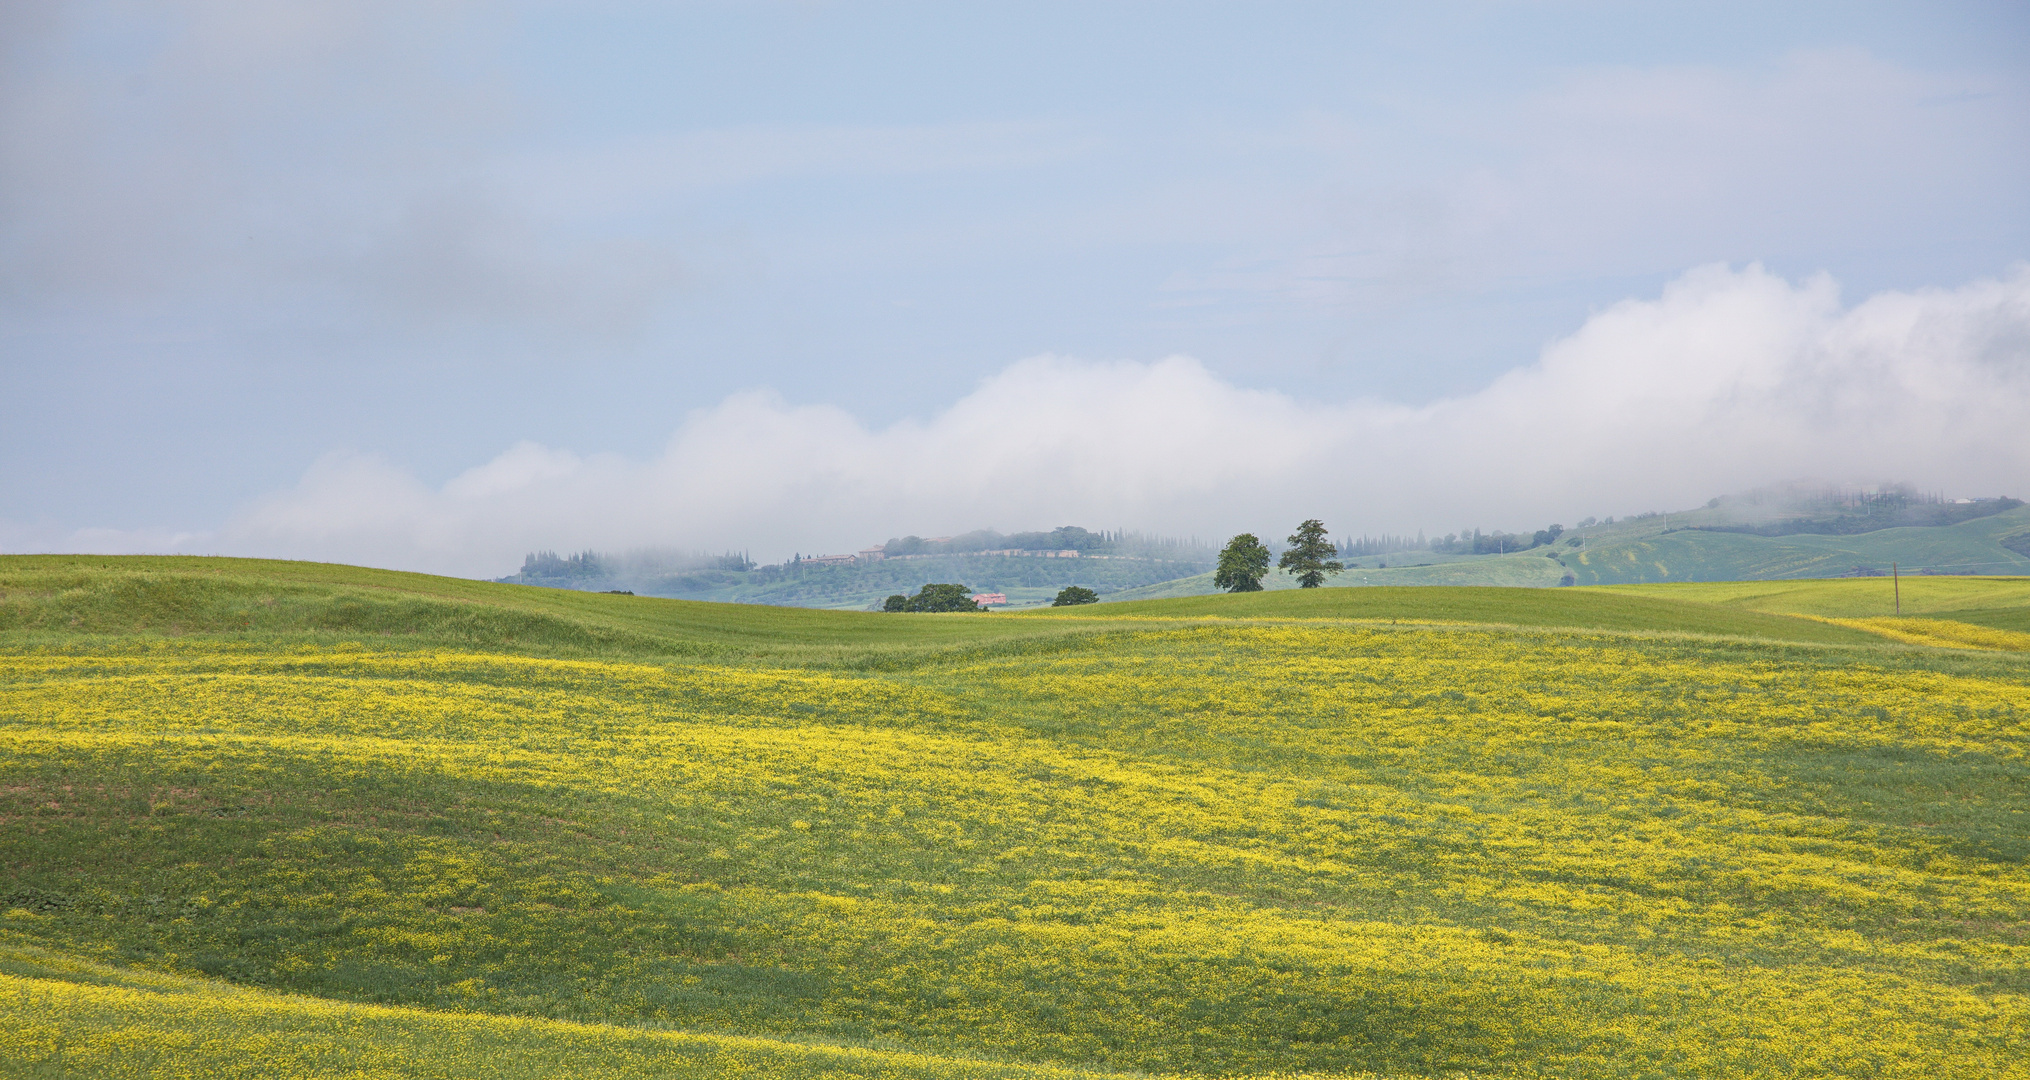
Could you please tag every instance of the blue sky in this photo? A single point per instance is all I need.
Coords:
(240, 243)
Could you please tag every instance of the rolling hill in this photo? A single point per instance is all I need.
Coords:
(1717, 542)
(1029, 568)
(290, 820)
(1682, 548)
(1673, 549)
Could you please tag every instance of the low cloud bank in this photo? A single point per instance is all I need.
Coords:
(1730, 379)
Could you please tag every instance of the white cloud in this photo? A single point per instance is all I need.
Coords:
(1729, 379)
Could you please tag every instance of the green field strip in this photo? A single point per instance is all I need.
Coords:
(65, 1018)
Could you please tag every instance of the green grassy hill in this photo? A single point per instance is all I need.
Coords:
(61, 599)
(1653, 554)
(292, 820)
(1674, 548)
(2003, 603)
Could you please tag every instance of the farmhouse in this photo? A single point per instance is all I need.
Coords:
(986, 598)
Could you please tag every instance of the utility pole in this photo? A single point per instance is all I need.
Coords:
(1896, 582)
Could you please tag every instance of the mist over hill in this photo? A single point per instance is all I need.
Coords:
(1027, 566)
(1791, 509)
(1792, 530)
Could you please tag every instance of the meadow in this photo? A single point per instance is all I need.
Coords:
(275, 819)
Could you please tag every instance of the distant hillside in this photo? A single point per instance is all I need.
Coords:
(1029, 567)
(1675, 552)
(1791, 532)
(1711, 543)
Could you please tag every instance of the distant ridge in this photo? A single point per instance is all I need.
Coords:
(1779, 533)
(1774, 535)
(1029, 567)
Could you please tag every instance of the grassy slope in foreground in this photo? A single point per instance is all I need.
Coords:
(1296, 839)
(72, 1019)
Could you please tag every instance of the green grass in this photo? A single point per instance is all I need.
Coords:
(1575, 608)
(80, 1019)
(67, 599)
(2002, 603)
(283, 819)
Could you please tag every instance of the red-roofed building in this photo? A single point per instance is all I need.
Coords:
(986, 598)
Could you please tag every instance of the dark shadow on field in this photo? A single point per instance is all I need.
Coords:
(1917, 802)
(284, 872)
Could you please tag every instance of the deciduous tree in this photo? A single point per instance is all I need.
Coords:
(1242, 564)
(1310, 555)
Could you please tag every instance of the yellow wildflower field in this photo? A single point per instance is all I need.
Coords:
(1943, 633)
(1226, 847)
